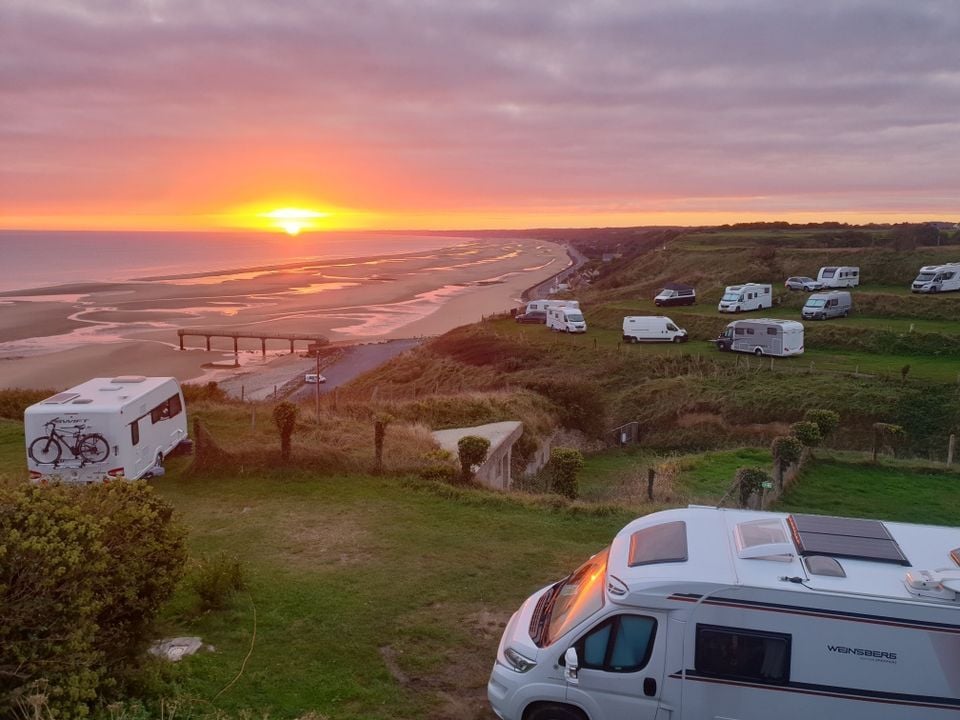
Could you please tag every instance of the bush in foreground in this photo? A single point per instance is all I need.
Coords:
(82, 574)
(216, 579)
(472, 451)
(565, 465)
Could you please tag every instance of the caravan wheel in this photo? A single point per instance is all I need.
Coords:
(758, 352)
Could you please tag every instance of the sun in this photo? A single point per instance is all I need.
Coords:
(293, 220)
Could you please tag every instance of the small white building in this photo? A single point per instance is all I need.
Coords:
(494, 472)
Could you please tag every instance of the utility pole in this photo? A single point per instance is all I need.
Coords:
(317, 393)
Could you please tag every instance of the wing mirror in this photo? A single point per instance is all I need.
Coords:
(571, 666)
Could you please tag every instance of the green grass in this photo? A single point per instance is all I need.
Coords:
(707, 476)
(605, 473)
(864, 490)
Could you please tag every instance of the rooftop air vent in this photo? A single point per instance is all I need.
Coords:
(764, 539)
(128, 379)
(825, 566)
(663, 543)
(937, 584)
(82, 401)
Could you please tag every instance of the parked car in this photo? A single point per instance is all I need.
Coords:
(804, 283)
(534, 316)
(313, 378)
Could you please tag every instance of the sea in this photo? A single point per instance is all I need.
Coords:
(35, 259)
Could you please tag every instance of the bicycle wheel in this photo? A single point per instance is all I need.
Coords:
(45, 450)
(94, 448)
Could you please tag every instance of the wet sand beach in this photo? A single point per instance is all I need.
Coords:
(54, 337)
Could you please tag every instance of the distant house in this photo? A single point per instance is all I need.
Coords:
(495, 470)
(610, 257)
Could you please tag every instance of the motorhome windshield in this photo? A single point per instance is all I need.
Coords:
(576, 598)
(730, 297)
(574, 317)
(816, 302)
(925, 277)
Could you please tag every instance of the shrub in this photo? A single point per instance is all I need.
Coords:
(826, 420)
(749, 480)
(886, 434)
(565, 464)
(83, 572)
(438, 467)
(216, 580)
(285, 416)
(210, 392)
(806, 432)
(472, 451)
(14, 401)
(786, 451)
(579, 402)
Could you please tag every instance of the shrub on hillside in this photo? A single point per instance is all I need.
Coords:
(579, 402)
(565, 465)
(749, 480)
(826, 421)
(210, 392)
(472, 451)
(285, 417)
(787, 450)
(14, 401)
(438, 466)
(806, 432)
(216, 579)
(82, 574)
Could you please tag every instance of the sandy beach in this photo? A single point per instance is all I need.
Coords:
(54, 337)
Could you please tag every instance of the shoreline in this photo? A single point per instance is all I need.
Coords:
(130, 328)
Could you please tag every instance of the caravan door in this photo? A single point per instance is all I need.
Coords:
(621, 663)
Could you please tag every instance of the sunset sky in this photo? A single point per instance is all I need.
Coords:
(466, 114)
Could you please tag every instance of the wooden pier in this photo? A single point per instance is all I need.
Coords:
(312, 339)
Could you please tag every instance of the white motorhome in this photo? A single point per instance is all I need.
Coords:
(834, 276)
(656, 328)
(566, 319)
(746, 297)
(937, 278)
(705, 613)
(763, 336)
(544, 305)
(106, 427)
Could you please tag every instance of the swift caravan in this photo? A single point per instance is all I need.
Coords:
(742, 298)
(704, 612)
(652, 329)
(106, 427)
(765, 336)
(566, 319)
(839, 277)
(937, 278)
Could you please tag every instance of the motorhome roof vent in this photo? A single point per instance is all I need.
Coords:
(82, 401)
(822, 565)
(663, 543)
(764, 539)
(937, 584)
(61, 398)
(845, 538)
(955, 554)
(128, 379)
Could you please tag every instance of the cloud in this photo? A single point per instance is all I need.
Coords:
(423, 103)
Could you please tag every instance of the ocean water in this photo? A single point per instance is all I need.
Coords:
(33, 259)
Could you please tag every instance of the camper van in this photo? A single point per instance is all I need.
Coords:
(543, 305)
(566, 319)
(106, 427)
(763, 336)
(823, 306)
(839, 277)
(704, 612)
(675, 294)
(937, 278)
(655, 328)
(749, 296)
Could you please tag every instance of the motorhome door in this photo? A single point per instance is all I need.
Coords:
(621, 663)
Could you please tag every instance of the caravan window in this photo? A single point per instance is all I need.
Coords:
(135, 432)
(771, 331)
(750, 331)
(167, 409)
(623, 643)
(829, 272)
(742, 654)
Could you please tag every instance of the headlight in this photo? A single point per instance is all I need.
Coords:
(517, 661)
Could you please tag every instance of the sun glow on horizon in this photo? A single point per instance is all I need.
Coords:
(293, 220)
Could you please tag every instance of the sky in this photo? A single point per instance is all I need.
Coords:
(409, 114)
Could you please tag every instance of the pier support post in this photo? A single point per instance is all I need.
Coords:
(236, 354)
(263, 347)
(208, 342)
(181, 340)
(291, 347)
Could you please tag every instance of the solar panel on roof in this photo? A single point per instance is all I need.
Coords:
(60, 398)
(846, 538)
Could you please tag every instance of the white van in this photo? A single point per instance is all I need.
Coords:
(106, 427)
(566, 319)
(823, 306)
(746, 297)
(544, 305)
(675, 294)
(637, 328)
(839, 276)
(707, 613)
(763, 336)
(937, 278)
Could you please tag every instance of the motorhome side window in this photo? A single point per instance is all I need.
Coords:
(742, 654)
(135, 432)
(621, 644)
(771, 331)
(167, 409)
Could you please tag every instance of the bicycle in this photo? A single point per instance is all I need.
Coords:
(88, 447)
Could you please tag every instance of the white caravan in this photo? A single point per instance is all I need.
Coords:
(638, 328)
(566, 319)
(707, 614)
(749, 296)
(106, 427)
(834, 276)
(544, 305)
(937, 278)
(763, 336)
